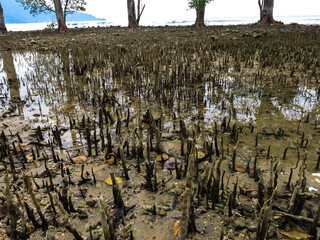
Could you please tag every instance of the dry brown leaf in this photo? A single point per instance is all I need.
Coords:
(29, 157)
(246, 197)
(79, 159)
(176, 227)
(295, 235)
(240, 168)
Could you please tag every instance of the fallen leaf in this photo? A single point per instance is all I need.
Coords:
(251, 189)
(176, 227)
(30, 227)
(110, 160)
(239, 168)
(17, 149)
(124, 234)
(295, 235)
(165, 157)
(200, 155)
(29, 157)
(245, 197)
(79, 159)
(109, 180)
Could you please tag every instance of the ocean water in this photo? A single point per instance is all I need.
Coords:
(307, 20)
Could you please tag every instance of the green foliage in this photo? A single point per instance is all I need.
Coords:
(198, 4)
(46, 6)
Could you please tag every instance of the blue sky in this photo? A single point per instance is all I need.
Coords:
(169, 10)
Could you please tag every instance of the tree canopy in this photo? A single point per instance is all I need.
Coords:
(46, 6)
(198, 4)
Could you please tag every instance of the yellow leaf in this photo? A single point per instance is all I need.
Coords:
(110, 160)
(30, 227)
(176, 227)
(295, 235)
(53, 121)
(164, 156)
(109, 180)
(200, 155)
(79, 159)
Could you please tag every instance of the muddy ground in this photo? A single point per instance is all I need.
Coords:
(245, 98)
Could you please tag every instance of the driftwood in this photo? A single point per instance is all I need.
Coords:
(295, 217)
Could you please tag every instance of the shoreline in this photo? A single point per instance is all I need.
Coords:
(48, 37)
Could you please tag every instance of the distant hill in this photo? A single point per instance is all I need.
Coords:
(14, 13)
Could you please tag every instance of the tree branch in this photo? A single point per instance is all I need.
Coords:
(260, 5)
(65, 10)
(140, 13)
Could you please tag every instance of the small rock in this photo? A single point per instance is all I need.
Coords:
(267, 130)
(240, 223)
(91, 203)
(272, 232)
(166, 208)
(83, 215)
(162, 213)
(252, 228)
(253, 194)
(51, 233)
(167, 135)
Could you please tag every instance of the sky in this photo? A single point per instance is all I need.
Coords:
(169, 10)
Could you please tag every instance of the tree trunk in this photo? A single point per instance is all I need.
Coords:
(132, 14)
(3, 28)
(62, 27)
(200, 17)
(266, 11)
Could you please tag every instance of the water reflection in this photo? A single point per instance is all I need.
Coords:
(63, 84)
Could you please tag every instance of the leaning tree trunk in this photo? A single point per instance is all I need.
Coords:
(200, 17)
(266, 11)
(3, 28)
(132, 14)
(62, 27)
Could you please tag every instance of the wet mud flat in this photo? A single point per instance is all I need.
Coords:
(160, 133)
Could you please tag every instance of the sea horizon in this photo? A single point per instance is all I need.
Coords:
(219, 21)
